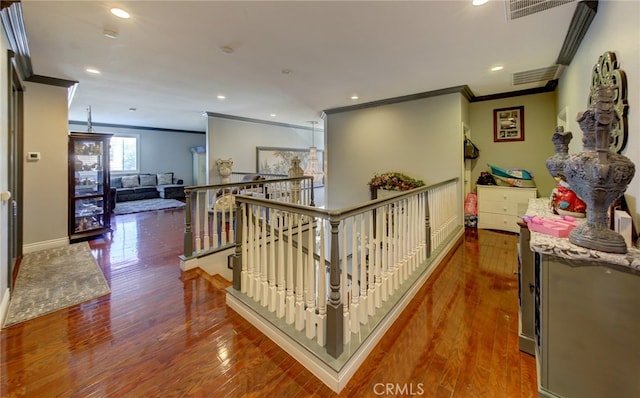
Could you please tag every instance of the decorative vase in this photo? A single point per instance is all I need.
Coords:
(563, 200)
(224, 168)
(598, 176)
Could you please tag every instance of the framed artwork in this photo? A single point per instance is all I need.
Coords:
(270, 160)
(508, 124)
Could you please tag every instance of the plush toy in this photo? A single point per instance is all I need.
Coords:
(565, 201)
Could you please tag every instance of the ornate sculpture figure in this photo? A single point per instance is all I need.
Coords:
(295, 171)
(563, 200)
(598, 175)
(224, 168)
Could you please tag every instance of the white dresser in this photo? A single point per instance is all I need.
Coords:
(499, 207)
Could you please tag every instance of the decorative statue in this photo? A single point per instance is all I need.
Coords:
(295, 171)
(598, 175)
(563, 200)
(224, 168)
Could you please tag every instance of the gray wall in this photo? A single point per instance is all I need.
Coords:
(46, 180)
(530, 154)
(238, 139)
(160, 150)
(615, 28)
(420, 138)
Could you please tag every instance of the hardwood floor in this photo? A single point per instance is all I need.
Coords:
(164, 333)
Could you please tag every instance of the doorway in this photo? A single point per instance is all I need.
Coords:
(14, 169)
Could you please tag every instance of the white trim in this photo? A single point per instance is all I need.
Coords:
(187, 264)
(4, 305)
(338, 380)
(47, 244)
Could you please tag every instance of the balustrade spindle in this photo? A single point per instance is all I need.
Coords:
(322, 290)
(310, 316)
(272, 261)
(346, 292)
(299, 280)
(251, 252)
(364, 274)
(371, 265)
(238, 271)
(280, 309)
(264, 263)
(205, 222)
(289, 301)
(244, 238)
(197, 216)
(355, 275)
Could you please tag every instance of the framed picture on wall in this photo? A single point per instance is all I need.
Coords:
(508, 124)
(272, 160)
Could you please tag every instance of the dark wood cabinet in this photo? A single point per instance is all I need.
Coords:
(89, 207)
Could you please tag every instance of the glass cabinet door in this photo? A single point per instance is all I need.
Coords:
(88, 184)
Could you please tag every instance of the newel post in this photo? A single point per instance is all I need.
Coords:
(335, 333)
(427, 224)
(237, 256)
(188, 234)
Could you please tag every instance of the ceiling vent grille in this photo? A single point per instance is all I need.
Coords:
(540, 75)
(522, 8)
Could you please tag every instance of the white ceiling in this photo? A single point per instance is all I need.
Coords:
(167, 61)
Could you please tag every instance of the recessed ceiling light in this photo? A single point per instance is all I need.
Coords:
(227, 49)
(273, 115)
(479, 2)
(287, 71)
(120, 13)
(110, 33)
(497, 68)
(354, 97)
(92, 71)
(221, 97)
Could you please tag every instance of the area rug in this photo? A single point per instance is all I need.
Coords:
(137, 206)
(53, 279)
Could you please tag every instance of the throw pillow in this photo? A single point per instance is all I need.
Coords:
(116, 182)
(130, 181)
(147, 180)
(165, 178)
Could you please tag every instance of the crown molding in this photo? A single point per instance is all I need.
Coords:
(259, 121)
(13, 24)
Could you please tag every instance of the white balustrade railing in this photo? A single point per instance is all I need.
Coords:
(210, 216)
(318, 270)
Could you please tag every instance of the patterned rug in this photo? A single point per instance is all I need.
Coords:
(137, 206)
(53, 279)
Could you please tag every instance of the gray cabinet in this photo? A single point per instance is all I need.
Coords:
(587, 328)
(526, 286)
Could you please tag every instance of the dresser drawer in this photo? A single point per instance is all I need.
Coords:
(499, 207)
(506, 194)
(503, 207)
(502, 222)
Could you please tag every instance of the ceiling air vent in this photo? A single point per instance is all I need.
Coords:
(522, 8)
(540, 75)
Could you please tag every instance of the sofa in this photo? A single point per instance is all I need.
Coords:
(146, 186)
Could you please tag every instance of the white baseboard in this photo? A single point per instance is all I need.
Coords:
(47, 244)
(4, 305)
(217, 264)
(213, 264)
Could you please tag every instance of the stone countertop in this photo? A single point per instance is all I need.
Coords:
(561, 247)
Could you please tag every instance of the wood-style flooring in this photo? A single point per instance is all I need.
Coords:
(167, 333)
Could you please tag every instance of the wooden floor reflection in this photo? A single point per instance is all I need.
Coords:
(164, 333)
